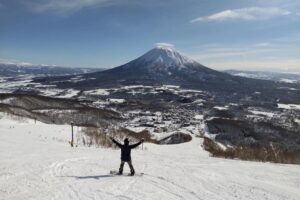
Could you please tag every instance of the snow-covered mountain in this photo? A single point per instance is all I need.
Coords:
(166, 55)
(10, 69)
(274, 76)
(162, 65)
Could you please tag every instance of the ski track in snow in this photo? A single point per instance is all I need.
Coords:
(36, 162)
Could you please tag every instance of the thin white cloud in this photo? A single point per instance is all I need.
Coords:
(243, 14)
(270, 56)
(164, 44)
(236, 52)
(262, 44)
(287, 65)
(230, 55)
(68, 6)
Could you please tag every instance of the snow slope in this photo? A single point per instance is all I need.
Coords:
(36, 162)
(168, 55)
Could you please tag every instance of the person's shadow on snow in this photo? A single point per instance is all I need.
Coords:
(90, 177)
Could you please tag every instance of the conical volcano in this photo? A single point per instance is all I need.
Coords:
(161, 65)
(163, 59)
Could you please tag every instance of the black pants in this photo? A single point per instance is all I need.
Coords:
(122, 166)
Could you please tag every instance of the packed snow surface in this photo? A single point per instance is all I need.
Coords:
(36, 162)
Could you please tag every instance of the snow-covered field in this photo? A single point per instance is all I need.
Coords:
(36, 162)
(289, 106)
(267, 114)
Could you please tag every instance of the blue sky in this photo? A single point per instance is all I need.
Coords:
(221, 34)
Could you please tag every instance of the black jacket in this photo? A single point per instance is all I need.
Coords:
(126, 149)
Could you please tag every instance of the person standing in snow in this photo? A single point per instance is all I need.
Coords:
(126, 153)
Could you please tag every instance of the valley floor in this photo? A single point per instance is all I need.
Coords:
(36, 162)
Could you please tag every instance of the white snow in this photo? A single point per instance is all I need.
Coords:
(69, 93)
(137, 87)
(285, 80)
(289, 106)
(51, 92)
(7, 100)
(55, 111)
(116, 100)
(268, 114)
(16, 83)
(190, 90)
(171, 86)
(77, 79)
(38, 85)
(198, 117)
(221, 107)
(167, 55)
(288, 88)
(249, 75)
(199, 101)
(100, 102)
(36, 162)
(254, 117)
(59, 93)
(97, 92)
(133, 87)
(136, 129)
(244, 75)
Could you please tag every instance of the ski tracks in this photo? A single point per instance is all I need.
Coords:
(64, 188)
(173, 187)
(69, 177)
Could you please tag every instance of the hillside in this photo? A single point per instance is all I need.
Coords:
(38, 163)
(162, 65)
(12, 70)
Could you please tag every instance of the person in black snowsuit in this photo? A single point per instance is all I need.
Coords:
(126, 153)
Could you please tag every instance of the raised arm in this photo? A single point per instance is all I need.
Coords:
(136, 145)
(116, 142)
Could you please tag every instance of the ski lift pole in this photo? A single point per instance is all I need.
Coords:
(72, 140)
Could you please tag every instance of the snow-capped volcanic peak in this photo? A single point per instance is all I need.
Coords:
(168, 55)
